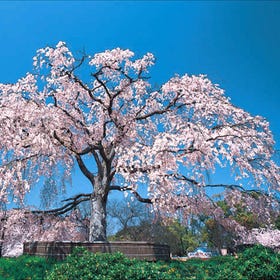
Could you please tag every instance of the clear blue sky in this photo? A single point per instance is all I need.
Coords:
(236, 43)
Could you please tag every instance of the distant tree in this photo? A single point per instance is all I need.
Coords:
(136, 223)
(124, 135)
(277, 222)
(177, 236)
(250, 210)
(122, 214)
(240, 221)
(217, 236)
(180, 239)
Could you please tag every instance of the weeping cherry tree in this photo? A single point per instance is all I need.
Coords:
(102, 115)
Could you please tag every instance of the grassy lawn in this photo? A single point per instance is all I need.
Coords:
(24, 267)
(254, 263)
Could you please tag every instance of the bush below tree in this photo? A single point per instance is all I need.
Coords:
(253, 263)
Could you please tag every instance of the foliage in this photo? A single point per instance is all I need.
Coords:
(24, 268)
(84, 265)
(137, 223)
(127, 213)
(242, 209)
(242, 224)
(179, 238)
(259, 262)
(253, 263)
(216, 235)
(176, 235)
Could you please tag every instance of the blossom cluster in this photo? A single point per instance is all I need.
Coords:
(19, 226)
(267, 237)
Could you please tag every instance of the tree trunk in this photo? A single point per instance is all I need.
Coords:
(97, 231)
(2, 232)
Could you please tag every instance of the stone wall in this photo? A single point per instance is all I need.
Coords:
(132, 249)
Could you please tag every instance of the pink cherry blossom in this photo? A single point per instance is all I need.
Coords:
(20, 225)
(267, 237)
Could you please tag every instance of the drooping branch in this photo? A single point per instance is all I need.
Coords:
(225, 186)
(16, 160)
(101, 82)
(172, 105)
(240, 188)
(78, 157)
(74, 120)
(73, 202)
(71, 75)
(55, 135)
(158, 112)
(145, 169)
(135, 193)
(140, 198)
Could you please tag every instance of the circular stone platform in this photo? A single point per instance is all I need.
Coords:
(132, 249)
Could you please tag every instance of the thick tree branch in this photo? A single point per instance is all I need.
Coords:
(101, 83)
(74, 202)
(145, 169)
(75, 120)
(62, 142)
(84, 169)
(158, 112)
(25, 159)
(89, 91)
(164, 110)
(135, 193)
(225, 186)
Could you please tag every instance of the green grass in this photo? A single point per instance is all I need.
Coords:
(24, 268)
(254, 263)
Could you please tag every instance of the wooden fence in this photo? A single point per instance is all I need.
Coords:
(132, 249)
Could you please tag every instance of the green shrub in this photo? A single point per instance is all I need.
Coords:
(85, 265)
(24, 268)
(259, 262)
(254, 263)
